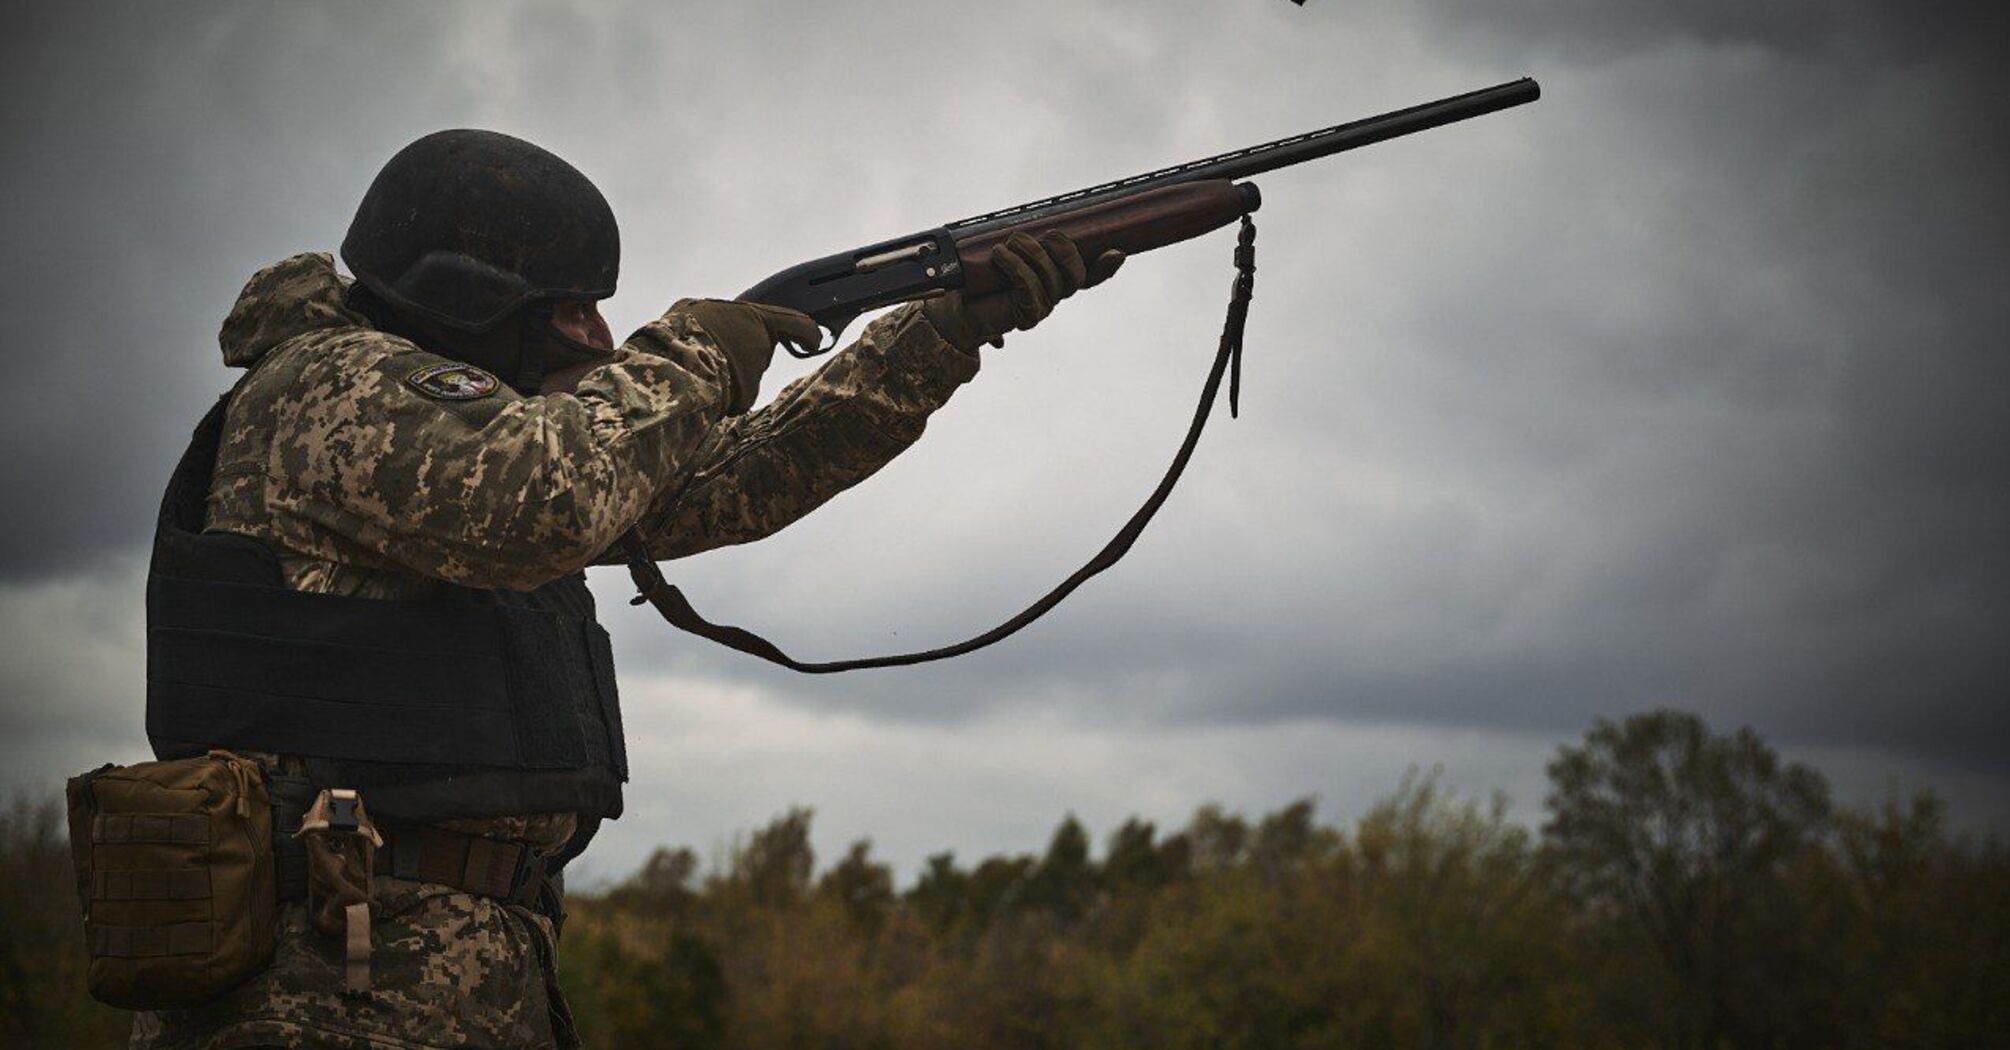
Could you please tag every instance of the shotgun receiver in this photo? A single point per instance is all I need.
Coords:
(1131, 215)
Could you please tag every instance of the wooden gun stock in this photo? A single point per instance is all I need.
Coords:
(1152, 219)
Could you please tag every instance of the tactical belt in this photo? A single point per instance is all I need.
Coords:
(507, 871)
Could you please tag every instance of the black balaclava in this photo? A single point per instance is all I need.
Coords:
(537, 349)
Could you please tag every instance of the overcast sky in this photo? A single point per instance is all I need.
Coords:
(1684, 386)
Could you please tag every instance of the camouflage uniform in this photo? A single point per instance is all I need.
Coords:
(367, 485)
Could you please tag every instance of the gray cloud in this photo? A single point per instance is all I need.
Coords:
(1691, 398)
(1862, 32)
(1682, 386)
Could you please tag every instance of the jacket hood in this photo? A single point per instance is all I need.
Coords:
(291, 297)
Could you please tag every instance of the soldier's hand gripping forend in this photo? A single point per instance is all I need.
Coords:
(748, 333)
(1038, 274)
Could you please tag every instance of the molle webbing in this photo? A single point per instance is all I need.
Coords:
(148, 942)
(190, 829)
(354, 678)
(151, 884)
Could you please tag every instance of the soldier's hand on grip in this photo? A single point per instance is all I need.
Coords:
(1038, 273)
(749, 333)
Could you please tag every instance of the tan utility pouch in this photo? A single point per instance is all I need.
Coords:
(174, 870)
(342, 845)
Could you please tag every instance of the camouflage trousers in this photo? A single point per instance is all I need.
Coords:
(449, 971)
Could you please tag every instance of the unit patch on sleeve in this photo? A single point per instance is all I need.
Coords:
(453, 382)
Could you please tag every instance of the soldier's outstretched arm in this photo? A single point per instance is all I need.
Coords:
(824, 433)
(833, 428)
(492, 490)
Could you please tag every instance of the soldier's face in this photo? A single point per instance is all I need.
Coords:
(581, 322)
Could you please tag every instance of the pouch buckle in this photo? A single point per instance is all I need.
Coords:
(344, 810)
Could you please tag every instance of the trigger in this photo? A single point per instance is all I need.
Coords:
(834, 325)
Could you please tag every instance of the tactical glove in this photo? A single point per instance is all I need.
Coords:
(1038, 274)
(748, 332)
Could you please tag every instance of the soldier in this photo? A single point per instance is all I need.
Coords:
(369, 565)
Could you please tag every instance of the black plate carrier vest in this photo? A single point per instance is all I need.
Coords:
(468, 704)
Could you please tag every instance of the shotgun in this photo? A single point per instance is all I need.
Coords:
(1131, 215)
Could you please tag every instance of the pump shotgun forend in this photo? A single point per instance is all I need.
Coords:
(1133, 215)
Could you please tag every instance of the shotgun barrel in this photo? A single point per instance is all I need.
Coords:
(1255, 160)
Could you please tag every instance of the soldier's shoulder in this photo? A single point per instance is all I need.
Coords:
(323, 359)
(346, 358)
(351, 349)
(357, 376)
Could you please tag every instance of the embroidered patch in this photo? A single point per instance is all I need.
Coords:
(453, 382)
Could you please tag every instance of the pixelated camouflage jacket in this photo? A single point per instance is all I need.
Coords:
(367, 485)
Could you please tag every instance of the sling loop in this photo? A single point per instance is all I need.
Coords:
(677, 609)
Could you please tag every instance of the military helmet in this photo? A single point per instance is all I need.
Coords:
(465, 227)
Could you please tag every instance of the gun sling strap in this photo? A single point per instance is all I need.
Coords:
(677, 609)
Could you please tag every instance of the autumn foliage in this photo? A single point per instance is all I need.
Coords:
(1687, 889)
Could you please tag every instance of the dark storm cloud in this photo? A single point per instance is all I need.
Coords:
(1851, 30)
(1723, 398)
(1846, 571)
(157, 153)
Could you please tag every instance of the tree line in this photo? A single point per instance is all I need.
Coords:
(1686, 889)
